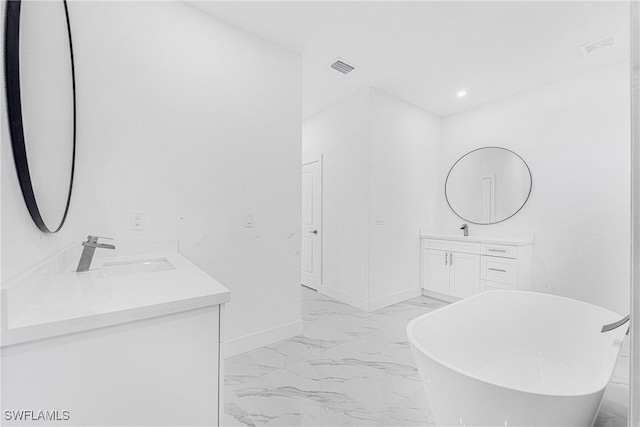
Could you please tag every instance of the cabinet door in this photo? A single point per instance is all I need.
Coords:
(465, 274)
(437, 271)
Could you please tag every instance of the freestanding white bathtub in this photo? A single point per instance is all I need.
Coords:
(514, 358)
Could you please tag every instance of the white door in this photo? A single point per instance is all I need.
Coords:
(465, 274)
(437, 274)
(488, 199)
(312, 224)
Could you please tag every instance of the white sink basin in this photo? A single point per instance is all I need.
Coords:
(147, 279)
(122, 268)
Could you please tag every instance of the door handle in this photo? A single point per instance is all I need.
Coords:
(314, 232)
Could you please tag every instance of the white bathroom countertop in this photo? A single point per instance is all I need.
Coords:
(51, 301)
(515, 241)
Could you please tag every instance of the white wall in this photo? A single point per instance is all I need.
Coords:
(574, 135)
(193, 122)
(341, 135)
(403, 176)
(380, 158)
(634, 407)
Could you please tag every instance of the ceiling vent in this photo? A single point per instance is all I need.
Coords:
(343, 67)
(589, 48)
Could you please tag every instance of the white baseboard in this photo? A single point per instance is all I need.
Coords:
(373, 305)
(388, 300)
(262, 338)
(357, 302)
(438, 295)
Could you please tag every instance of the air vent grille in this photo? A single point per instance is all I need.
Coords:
(589, 48)
(343, 67)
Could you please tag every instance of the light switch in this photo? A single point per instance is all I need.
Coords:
(379, 219)
(248, 219)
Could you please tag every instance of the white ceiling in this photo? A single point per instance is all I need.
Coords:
(423, 52)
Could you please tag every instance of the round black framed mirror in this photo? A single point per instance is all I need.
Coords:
(488, 185)
(41, 106)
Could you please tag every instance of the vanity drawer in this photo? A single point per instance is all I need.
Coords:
(496, 269)
(506, 251)
(453, 246)
(486, 285)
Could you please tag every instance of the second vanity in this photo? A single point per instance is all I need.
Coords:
(456, 267)
(136, 340)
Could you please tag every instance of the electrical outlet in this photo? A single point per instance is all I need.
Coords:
(136, 221)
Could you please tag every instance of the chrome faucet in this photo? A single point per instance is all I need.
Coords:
(614, 325)
(465, 229)
(89, 248)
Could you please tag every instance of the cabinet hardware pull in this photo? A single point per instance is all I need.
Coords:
(496, 250)
(450, 258)
(497, 269)
(445, 258)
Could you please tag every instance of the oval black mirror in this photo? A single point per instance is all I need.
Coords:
(488, 185)
(41, 105)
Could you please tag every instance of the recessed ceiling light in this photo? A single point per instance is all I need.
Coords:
(461, 93)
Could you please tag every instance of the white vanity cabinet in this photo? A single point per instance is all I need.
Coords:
(104, 348)
(451, 270)
(458, 267)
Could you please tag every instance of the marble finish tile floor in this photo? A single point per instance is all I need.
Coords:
(350, 368)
